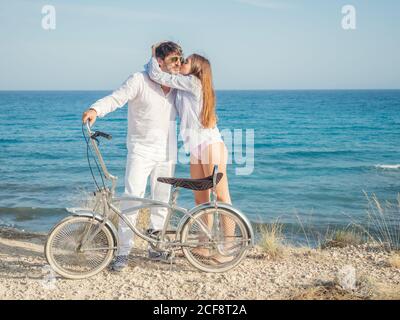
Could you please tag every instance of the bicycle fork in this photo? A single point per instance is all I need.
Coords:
(85, 237)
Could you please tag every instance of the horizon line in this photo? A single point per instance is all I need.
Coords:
(307, 89)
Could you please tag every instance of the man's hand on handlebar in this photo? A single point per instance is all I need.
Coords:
(90, 115)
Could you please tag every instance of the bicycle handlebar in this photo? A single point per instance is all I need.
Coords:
(101, 134)
(97, 133)
(87, 123)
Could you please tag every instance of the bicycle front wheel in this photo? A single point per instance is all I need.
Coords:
(79, 247)
(215, 240)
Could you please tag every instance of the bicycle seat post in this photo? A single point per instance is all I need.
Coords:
(172, 201)
(174, 196)
(214, 188)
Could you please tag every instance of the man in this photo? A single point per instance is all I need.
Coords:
(151, 141)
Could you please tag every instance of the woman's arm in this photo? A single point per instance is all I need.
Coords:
(177, 81)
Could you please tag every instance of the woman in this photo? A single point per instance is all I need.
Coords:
(195, 102)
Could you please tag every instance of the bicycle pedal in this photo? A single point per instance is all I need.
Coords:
(153, 233)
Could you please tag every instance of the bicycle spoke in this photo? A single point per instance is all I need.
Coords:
(215, 239)
(67, 253)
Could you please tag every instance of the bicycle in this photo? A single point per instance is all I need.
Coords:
(213, 236)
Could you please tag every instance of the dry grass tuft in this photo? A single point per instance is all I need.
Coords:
(328, 290)
(384, 292)
(366, 289)
(394, 260)
(342, 238)
(384, 222)
(142, 223)
(271, 238)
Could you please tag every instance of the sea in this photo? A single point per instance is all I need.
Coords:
(310, 160)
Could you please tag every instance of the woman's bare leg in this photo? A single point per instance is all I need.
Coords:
(217, 154)
(196, 172)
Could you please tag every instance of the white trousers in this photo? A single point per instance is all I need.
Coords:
(138, 169)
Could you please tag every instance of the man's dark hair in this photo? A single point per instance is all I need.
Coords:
(166, 48)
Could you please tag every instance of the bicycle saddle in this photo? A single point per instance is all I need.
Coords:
(192, 184)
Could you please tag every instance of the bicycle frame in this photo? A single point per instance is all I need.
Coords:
(148, 203)
(108, 199)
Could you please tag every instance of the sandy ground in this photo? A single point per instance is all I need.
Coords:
(301, 273)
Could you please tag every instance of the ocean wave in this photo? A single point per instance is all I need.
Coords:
(30, 212)
(6, 141)
(315, 153)
(7, 224)
(387, 166)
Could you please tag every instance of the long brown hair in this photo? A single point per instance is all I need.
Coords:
(201, 68)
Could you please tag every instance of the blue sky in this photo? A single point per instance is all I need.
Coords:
(252, 44)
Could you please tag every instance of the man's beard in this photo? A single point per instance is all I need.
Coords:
(173, 70)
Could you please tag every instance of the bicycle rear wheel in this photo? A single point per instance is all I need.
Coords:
(215, 240)
(66, 255)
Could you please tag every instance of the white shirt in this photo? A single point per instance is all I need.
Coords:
(151, 116)
(189, 104)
